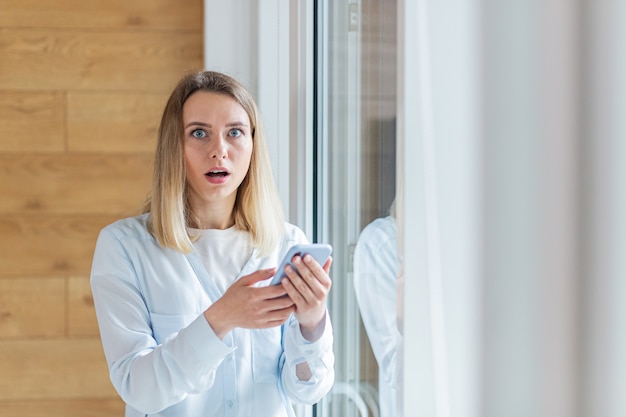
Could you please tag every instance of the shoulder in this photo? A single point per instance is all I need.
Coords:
(379, 233)
(131, 227)
(119, 243)
(292, 235)
(293, 232)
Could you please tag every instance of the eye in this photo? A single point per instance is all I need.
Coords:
(198, 134)
(235, 132)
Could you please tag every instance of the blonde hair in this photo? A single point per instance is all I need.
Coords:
(257, 209)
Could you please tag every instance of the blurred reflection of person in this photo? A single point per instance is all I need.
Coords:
(375, 284)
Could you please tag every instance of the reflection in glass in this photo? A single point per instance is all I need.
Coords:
(375, 286)
(356, 126)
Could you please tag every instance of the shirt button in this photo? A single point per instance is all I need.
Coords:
(308, 351)
(229, 403)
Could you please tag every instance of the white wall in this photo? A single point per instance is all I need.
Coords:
(439, 132)
(550, 105)
(531, 226)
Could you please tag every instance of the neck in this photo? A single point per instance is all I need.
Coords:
(213, 216)
(215, 224)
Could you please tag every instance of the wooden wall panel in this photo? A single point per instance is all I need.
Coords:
(48, 245)
(32, 307)
(63, 408)
(172, 15)
(124, 122)
(32, 122)
(74, 183)
(51, 369)
(81, 315)
(70, 60)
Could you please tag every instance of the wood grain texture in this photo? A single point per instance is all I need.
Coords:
(32, 122)
(113, 407)
(69, 60)
(82, 315)
(74, 183)
(48, 245)
(53, 369)
(114, 122)
(32, 307)
(112, 14)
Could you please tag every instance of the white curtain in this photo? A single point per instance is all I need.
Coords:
(531, 200)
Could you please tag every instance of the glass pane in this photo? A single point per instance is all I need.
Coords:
(356, 112)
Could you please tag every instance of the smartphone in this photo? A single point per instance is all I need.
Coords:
(319, 251)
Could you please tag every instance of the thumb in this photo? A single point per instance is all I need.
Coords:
(257, 276)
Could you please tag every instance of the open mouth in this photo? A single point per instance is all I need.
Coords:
(217, 173)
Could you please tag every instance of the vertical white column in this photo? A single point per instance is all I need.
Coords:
(300, 208)
(439, 189)
(604, 376)
(417, 396)
(272, 43)
(559, 141)
(456, 84)
(530, 114)
(229, 50)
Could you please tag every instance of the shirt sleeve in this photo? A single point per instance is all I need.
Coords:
(149, 376)
(375, 286)
(319, 356)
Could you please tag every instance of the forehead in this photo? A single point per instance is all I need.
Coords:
(209, 106)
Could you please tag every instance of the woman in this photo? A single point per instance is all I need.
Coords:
(188, 323)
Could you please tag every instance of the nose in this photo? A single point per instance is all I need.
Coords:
(219, 151)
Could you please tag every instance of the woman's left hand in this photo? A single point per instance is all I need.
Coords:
(308, 286)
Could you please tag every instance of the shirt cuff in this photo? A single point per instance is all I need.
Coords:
(201, 337)
(298, 349)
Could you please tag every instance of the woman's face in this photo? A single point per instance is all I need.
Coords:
(218, 148)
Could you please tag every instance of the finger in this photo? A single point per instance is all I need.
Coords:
(319, 273)
(301, 279)
(296, 279)
(306, 305)
(294, 294)
(328, 264)
(278, 304)
(277, 317)
(315, 277)
(257, 276)
(272, 291)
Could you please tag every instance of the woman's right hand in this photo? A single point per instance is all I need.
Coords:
(246, 306)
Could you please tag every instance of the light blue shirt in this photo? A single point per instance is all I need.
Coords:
(163, 356)
(376, 286)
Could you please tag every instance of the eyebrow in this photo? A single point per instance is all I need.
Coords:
(197, 124)
(231, 124)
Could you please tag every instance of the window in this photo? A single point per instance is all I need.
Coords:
(356, 168)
